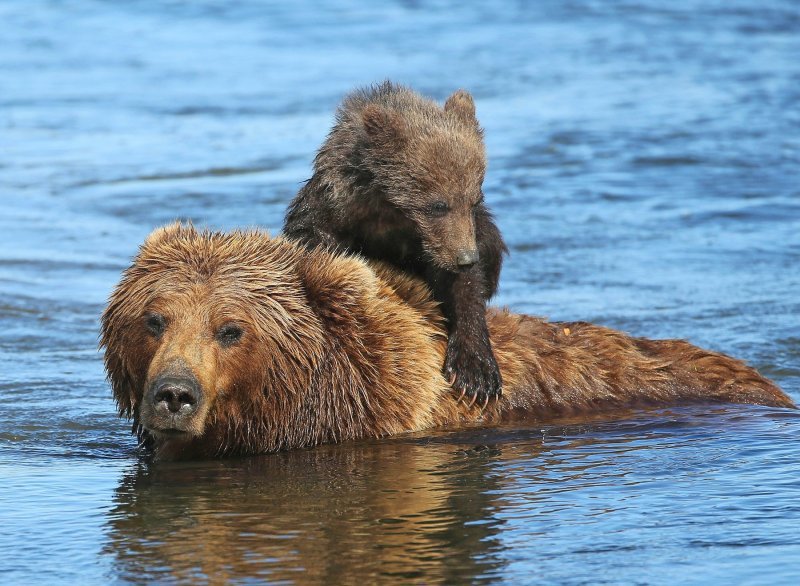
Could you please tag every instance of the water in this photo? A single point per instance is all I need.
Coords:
(643, 167)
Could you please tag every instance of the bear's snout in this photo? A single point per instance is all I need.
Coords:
(467, 258)
(176, 395)
(174, 401)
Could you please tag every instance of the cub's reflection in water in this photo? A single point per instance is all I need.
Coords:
(404, 509)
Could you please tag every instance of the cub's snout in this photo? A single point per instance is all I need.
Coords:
(467, 257)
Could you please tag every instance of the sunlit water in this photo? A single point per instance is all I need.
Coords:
(644, 167)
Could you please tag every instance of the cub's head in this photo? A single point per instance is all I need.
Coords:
(429, 163)
(200, 327)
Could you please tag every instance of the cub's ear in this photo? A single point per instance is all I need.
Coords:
(461, 105)
(384, 127)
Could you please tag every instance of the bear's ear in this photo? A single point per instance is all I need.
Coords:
(461, 105)
(384, 127)
(166, 233)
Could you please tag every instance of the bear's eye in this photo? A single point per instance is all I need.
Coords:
(228, 335)
(155, 324)
(439, 209)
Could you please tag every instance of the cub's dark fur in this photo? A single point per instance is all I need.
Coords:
(399, 179)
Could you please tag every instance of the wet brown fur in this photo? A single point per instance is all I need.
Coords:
(335, 349)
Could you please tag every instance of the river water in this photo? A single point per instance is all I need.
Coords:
(644, 168)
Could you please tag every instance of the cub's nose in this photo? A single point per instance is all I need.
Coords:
(176, 395)
(467, 258)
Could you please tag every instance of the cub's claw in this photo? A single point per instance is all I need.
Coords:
(452, 381)
(472, 373)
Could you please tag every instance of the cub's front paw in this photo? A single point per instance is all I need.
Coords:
(472, 371)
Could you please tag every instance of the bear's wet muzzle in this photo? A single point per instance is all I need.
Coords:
(172, 403)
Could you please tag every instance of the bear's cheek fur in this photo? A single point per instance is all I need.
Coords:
(240, 377)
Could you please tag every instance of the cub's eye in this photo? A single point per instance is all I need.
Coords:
(228, 335)
(155, 324)
(439, 209)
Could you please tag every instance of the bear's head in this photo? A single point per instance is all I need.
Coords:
(199, 330)
(430, 163)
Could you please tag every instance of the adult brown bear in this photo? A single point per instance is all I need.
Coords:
(219, 344)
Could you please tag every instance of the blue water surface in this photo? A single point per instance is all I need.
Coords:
(644, 166)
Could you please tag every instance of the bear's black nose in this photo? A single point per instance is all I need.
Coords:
(467, 258)
(177, 395)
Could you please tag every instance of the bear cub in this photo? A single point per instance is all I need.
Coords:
(399, 179)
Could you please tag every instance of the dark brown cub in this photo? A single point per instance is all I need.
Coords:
(399, 180)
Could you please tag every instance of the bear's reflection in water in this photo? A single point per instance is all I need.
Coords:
(404, 510)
